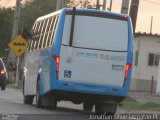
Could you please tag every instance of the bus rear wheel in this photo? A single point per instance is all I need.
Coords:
(38, 96)
(28, 99)
(105, 108)
(88, 106)
(50, 101)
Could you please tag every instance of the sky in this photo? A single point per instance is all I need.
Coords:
(8, 3)
(147, 9)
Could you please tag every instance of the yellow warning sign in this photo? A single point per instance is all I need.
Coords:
(18, 45)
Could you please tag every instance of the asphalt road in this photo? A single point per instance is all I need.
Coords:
(12, 107)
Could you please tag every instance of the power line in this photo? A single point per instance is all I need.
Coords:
(156, 3)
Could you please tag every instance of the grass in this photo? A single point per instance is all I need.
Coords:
(132, 104)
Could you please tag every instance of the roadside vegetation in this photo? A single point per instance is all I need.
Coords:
(133, 104)
(30, 11)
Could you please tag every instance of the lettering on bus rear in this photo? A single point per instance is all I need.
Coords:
(100, 56)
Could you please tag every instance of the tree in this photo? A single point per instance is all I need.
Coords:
(81, 4)
(6, 17)
(34, 9)
(30, 11)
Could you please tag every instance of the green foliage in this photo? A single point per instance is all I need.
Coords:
(29, 13)
(6, 17)
(33, 10)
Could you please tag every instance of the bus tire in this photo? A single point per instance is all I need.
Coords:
(38, 96)
(98, 109)
(105, 108)
(54, 102)
(28, 99)
(88, 106)
(50, 101)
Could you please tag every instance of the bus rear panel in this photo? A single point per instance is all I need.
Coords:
(99, 60)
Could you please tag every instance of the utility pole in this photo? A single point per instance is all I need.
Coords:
(15, 26)
(14, 34)
(98, 6)
(133, 13)
(85, 3)
(16, 20)
(60, 4)
(151, 25)
(104, 4)
(110, 8)
(125, 5)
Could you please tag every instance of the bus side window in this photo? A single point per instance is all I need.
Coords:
(30, 42)
(50, 20)
(42, 33)
(53, 31)
(45, 34)
(50, 31)
(33, 38)
(37, 37)
(29, 46)
(35, 34)
(54, 28)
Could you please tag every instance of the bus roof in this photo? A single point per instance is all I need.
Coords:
(82, 10)
(48, 15)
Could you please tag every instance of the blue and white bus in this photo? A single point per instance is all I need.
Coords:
(79, 55)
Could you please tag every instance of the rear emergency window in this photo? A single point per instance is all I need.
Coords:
(97, 32)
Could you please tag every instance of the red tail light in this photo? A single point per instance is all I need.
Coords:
(67, 11)
(57, 60)
(2, 72)
(128, 67)
(126, 17)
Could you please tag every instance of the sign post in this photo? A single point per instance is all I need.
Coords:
(19, 46)
(17, 72)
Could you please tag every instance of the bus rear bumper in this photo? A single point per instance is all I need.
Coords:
(109, 92)
(78, 98)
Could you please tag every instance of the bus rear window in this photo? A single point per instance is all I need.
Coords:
(97, 33)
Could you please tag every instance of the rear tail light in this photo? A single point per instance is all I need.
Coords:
(128, 67)
(126, 17)
(68, 11)
(57, 61)
(2, 72)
